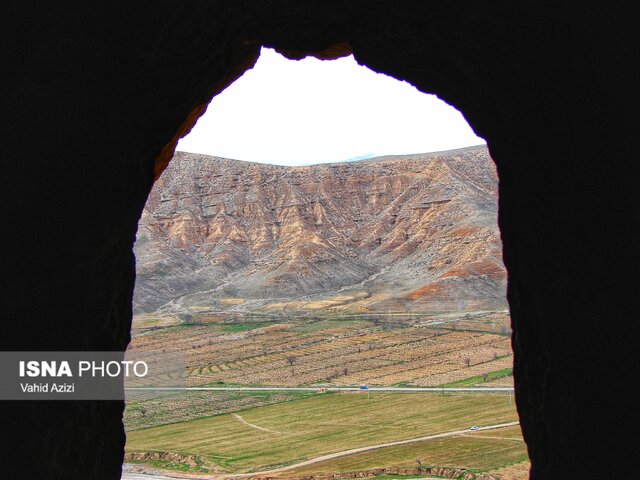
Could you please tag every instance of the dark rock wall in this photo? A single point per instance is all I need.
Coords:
(95, 95)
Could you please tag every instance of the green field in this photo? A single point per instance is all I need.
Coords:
(328, 324)
(184, 406)
(479, 451)
(290, 432)
(243, 327)
(478, 380)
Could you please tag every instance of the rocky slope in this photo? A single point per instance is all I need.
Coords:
(400, 233)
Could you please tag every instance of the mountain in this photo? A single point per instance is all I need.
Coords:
(409, 233)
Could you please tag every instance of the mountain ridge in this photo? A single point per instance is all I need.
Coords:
(408, 233)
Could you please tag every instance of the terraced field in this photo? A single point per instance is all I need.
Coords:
(338, 352)
(285, 433)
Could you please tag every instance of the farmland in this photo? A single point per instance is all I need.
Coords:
(289, 432)
(183, 406)
(249, 431)
(479, 451)
(339, 351)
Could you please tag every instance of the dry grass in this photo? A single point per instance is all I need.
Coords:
(231, 301)
(146, 321)
(519, 471)
(328, 303)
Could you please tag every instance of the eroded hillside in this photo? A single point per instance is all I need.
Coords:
(404, 233)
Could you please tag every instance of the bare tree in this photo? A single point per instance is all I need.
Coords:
(333, 375)
(291, 360)
(485, 376)
(143, 411)
(467, 361)
(345, 371)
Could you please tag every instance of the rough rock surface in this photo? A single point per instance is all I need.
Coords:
(417, 233)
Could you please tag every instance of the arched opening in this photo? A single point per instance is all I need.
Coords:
(351, 301)
(95, 97)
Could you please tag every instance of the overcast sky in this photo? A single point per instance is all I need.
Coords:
(311, 111)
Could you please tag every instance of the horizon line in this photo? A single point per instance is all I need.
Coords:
(333, 162)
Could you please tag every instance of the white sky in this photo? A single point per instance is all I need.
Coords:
(311, 111)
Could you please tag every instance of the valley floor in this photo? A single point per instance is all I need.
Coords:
(295, 434)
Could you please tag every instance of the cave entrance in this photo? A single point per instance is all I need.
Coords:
(326, 306)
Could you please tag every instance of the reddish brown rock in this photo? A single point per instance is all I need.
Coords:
(412, 233)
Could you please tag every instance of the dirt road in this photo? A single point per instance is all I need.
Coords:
(466, 432)
(374, 447)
